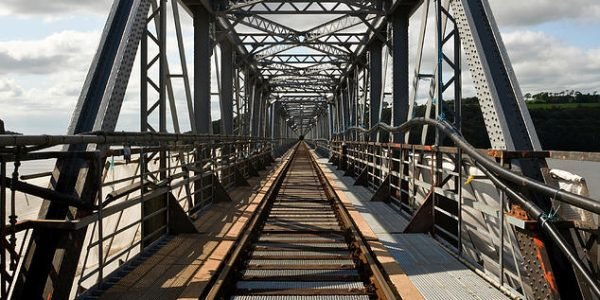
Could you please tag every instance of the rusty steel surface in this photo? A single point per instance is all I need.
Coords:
(302, 245)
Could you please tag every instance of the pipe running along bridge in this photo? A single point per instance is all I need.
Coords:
(305, 188)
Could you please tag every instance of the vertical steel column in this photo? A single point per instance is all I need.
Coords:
(51, 256)
(284, 130)
(318, 127)
(250, 93)
(352, 95)
(266, 119)
(457, 80)
(337, 114)
(264, 108)
(256, 98)
(276, 128)
(340, 111)
(259, 121)
(144, 82)
(324, 121)
(400, 78)
(331, 114)
(269, 121)
(202, 54)
(345, 110)
(162, 83)
(4, 281)
(376, 84)
(287, 131)
(202, 79)
(320, 123)
(159, 18)
(227, 87)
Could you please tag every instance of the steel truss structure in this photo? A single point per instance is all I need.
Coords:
(321, 70)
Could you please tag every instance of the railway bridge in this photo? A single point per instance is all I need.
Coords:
(337, 168)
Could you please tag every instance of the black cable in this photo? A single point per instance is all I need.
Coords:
(548, 227)
(497, 173)
(520, 180)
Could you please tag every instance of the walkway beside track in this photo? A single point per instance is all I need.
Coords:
(183, 267)
(436, 273)
(184, 264)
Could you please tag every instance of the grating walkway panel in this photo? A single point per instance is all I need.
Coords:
(436, 274)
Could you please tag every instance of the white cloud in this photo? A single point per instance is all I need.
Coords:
(530, 12)
(40, 80)
(544, 63)
(9, 88)
(52, 8)
(67, 50)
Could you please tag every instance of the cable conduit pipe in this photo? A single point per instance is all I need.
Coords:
(520, 180)
(548, 227)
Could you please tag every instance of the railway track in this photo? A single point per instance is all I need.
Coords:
(301, 244)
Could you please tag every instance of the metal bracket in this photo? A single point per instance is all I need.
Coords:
(219, 192)
(422, 221)
(239, 178)
(179, 221)
(383, 192)
(363, 178)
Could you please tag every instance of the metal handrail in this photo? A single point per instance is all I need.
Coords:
(501, 177)
(548, 227)
(117, 138)
(510, 176)
(17, 147)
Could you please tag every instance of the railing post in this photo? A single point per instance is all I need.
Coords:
(4, 280)
(142, 163)
(459, 189)
(98, 164)
(501, 225)
(344, 158)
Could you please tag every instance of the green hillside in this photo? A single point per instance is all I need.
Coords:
(562, 122)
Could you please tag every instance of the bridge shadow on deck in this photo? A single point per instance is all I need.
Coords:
(435, 272)
(177, 269)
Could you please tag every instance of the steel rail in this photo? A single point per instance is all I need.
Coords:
(220, 280)
(383, 288)
(376, 282)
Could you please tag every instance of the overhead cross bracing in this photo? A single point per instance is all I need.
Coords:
(301, 49)
(284, 69)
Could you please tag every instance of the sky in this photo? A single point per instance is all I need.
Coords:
(46, 48)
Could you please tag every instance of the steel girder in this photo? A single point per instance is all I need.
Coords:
(268, 39)
(506, 116)
(306, 59)
(292, 61)
(507, 120)
(510, 127)
(330, 71)
(302, 7)
(52, 256)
